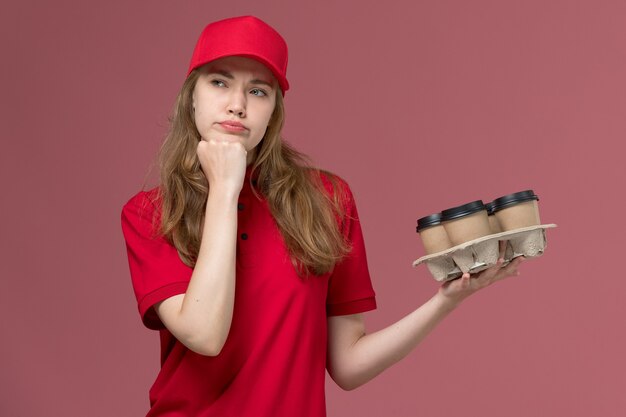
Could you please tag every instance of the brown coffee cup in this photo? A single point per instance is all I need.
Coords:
(494, 224)
(517, 210)
(433, 234)
(467, 222)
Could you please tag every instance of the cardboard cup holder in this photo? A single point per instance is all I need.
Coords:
(479, 254)
(467, 238)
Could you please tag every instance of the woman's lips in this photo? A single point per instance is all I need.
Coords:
(232, 126)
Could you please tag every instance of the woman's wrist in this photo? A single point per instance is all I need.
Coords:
(224, 193)
(447, 303)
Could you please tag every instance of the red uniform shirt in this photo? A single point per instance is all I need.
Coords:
(273, 362)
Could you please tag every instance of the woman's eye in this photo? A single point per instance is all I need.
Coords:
(258, 92)
(218, 83)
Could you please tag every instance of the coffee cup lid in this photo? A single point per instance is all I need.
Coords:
(489, 207)
(512, 199)
(461, 211)
(428, 221)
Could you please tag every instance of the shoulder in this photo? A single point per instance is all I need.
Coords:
(143, 207)
(145, 200)
(334, 185)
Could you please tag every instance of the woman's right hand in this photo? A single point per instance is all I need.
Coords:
(201, 318)
(223, 161)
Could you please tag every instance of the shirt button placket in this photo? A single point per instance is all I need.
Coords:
(240, 207)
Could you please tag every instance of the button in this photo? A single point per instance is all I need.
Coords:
(240, 206)
(244, 236)
(254, 182)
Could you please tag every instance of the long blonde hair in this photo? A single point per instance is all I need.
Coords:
(305, 213)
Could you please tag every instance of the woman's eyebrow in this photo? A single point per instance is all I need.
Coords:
(223, 73)
(262, 82)
(230, 76)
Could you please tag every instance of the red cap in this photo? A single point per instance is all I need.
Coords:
(245, 36)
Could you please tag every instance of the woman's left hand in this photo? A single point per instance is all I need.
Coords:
(457, 290)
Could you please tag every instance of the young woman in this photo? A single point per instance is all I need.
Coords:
(250, 263)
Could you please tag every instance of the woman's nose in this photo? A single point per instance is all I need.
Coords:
(237, 104)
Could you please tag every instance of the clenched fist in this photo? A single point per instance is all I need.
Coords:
(223, 162)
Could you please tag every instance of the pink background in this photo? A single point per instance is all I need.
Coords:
(419, 105)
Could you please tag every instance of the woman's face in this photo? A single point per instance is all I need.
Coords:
(233, 99)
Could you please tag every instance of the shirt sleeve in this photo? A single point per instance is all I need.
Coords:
(350, 288)
(156, 271)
